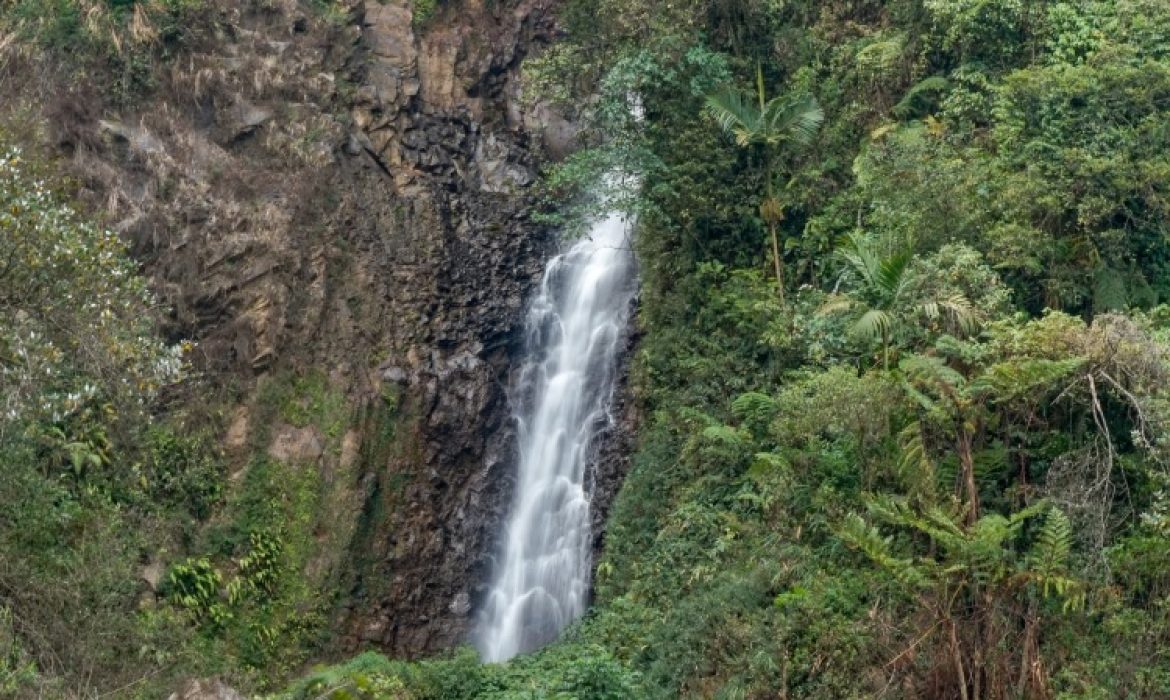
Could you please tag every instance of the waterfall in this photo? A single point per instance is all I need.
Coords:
(563, 394)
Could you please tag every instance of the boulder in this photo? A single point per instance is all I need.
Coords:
(296, 445)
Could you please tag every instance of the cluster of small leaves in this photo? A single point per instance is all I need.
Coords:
(195, 586)
(80, 366)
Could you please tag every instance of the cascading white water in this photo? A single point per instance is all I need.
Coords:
(563, 397)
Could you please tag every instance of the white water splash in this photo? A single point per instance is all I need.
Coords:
(575, 327)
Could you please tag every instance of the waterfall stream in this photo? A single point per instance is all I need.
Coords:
(563, 394)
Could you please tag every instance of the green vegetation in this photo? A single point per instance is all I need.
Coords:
(81, 497)
(121, 524)
(259, 582)
(934, 465)
(917, 476)
(788, 120)
(423, 10)
(124, 39)
(934, 468)
(561, 673)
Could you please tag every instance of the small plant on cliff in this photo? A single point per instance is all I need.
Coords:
(423, 11)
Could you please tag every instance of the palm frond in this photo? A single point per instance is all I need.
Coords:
(874, 323)
(957, 309)
(858, 251)
(792, 118)
(736, 115)
(893, 272)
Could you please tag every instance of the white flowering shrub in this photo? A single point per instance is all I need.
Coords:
(90, 468)
(78, 350)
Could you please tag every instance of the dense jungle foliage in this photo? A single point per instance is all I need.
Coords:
(903, 375)
(931, 464)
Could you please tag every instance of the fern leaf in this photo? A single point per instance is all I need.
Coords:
(753, 407)
(1006, 381)
(915, 467)
(932, 374)
(857, 533)
(834, 304)
(1049, 554)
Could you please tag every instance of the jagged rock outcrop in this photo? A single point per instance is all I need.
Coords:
(434, 113)
(615, 444)
(349, 194)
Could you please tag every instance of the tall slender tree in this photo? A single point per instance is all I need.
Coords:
(785, 122)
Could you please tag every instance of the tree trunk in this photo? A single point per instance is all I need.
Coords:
(967, 462)
(1031, 679)
(957, 657)
(776, 260)
(770, 212)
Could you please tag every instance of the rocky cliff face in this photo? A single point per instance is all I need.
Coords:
(437, 112)
(347, 193)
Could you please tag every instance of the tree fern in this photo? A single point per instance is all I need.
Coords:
(754, 410)
(1023, 377)
(768, 463)
(1109, 290)
(933, 521)
(724, 434)
(916, 469)
(1050, 552)
(931, 381)
(860, 535)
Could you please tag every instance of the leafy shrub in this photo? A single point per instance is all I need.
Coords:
(181, 471)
